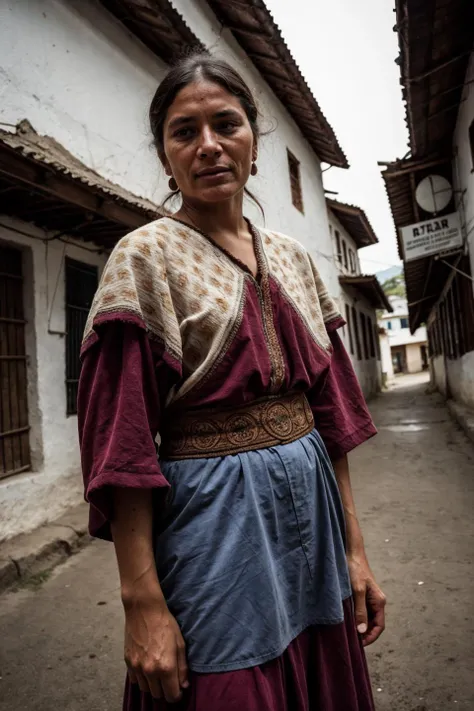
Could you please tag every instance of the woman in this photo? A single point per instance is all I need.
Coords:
(219, 340)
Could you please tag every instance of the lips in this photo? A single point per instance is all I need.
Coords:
(210, 172)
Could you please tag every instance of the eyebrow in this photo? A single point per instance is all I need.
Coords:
(184, 120)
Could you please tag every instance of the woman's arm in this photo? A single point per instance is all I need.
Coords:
(154, 647)
(369, 600)
(119, 416)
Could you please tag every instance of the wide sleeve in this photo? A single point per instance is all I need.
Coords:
(123, 385)
(339, 408)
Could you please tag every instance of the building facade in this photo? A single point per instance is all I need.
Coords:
(359, 295)
(437, 73)
(402, 351)
(77, 172)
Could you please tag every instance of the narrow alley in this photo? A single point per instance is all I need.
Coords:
(414, 483)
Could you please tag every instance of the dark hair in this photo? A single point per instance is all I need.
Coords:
(201, 65)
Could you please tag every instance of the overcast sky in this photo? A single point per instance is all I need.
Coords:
(346, 52)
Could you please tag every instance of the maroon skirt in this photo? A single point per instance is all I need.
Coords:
(323, 669)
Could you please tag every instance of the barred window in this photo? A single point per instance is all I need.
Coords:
(14, 424)
(81, 285)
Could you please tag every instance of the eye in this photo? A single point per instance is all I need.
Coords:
(226, 126)
(185, 132)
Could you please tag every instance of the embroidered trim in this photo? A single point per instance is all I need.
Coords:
(262, 286)
(211, 432)
(276, 356)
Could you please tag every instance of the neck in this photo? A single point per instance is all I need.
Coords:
(214, 218)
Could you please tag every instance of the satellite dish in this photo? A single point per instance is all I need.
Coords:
(434, 193)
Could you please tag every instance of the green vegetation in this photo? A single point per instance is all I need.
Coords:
(395, 286)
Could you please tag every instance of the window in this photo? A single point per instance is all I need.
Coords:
(352, 261)
(377, 341)
(355, 323)
(14, 425)
(404, 322)
(465, 312)
(295, 182)
(370, 329)
(348, 319)
(471, 142)
(344, 251)
(389, 325)
(338, 247)
(364, 335)
(81, 285)
(452, 333)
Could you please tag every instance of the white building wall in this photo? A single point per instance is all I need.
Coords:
(402, 336)
(414, 359)
(438, 374)
(460, 378)
(78, 75)
(387, 364)
(460, 372)
(463, 169)
(398, 336)
(368, 371)
(28, 500)
(455, 377)
(73, 70)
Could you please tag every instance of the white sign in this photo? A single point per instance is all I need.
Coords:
(431, 237)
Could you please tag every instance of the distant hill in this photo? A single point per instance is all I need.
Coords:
(387, 274)
(393, 281)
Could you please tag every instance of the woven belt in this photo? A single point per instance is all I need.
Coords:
(218, 432)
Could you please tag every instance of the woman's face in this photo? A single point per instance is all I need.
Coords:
(208, 143)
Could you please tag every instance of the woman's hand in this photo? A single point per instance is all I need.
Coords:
(154, 649)
(369, 600)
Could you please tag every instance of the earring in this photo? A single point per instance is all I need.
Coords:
(254, 169)
(173, 185)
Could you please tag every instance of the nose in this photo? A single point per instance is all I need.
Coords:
(209, 144)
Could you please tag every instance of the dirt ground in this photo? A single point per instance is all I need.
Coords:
(61, 639)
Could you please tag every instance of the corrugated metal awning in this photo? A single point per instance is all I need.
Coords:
(369, 286)
(355, 221)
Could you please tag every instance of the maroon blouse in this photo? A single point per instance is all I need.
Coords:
(135, 364)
